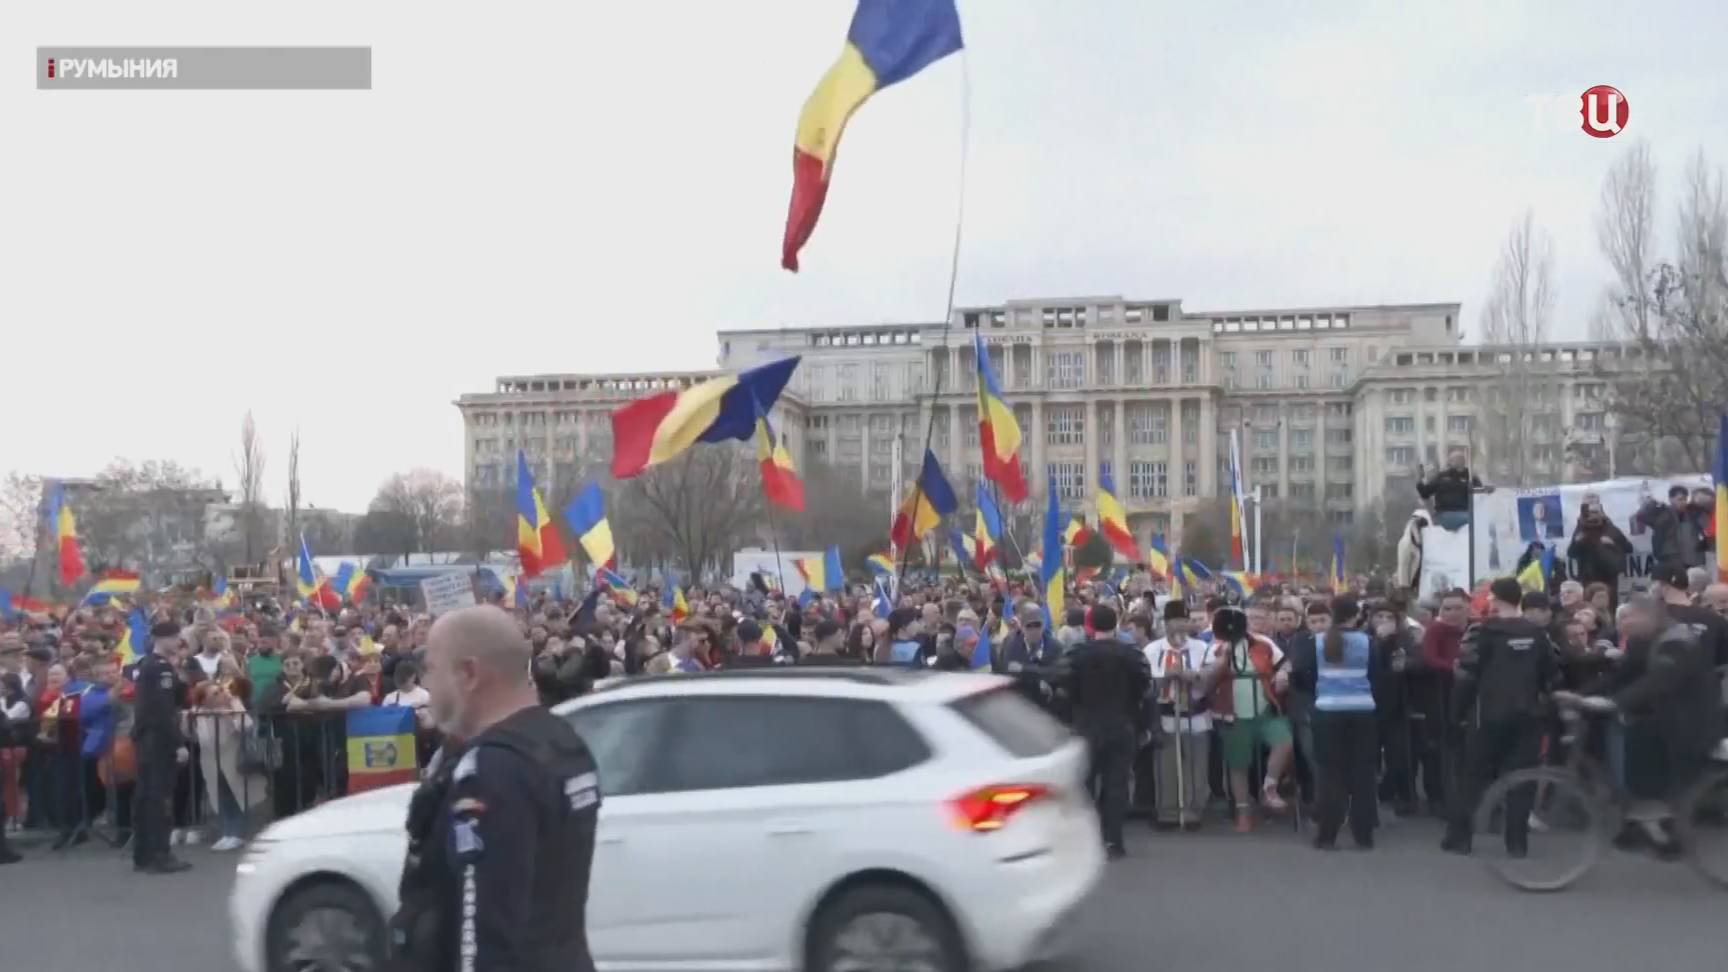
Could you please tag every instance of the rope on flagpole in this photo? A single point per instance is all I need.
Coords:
(947, 316)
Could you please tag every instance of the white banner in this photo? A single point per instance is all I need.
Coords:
(1509, 522)
(447, 592)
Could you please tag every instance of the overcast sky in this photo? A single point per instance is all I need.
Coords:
(584, 186)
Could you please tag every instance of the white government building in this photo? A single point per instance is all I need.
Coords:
(1336, 406)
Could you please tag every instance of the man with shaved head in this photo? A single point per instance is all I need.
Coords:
(501, 832)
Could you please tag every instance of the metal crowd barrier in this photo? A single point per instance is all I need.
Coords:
(243, 771)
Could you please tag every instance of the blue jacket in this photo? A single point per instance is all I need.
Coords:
(1345, 685)
(96, 714)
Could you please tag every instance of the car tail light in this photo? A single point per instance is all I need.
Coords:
(991, 807)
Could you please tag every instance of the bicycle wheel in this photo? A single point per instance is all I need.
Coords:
(1563, 834)
(1701, 822)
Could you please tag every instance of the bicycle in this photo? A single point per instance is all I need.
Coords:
(1580, 799)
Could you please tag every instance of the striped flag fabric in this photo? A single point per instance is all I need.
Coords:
(380, 747)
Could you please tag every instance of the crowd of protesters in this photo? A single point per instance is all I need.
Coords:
(1287, 699)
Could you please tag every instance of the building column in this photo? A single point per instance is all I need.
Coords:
(956, 449)
(1121, 363)
(1208, 447)
(1091, 480)
(1036, 435)
(864, 454)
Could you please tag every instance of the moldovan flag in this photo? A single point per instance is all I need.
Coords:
(1719, 524)
(1113, 519)
(587, 516)
(653, 430)
(380, 747)
(537, 542)
(998, 430)
(888, 42)
(69, 555)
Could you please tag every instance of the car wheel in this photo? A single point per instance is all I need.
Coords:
(327, 927)
(884, 928)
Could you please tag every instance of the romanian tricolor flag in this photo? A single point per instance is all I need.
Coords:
(677, 608)
(1077, 533)
(888, 42)
(987, 529)
(621, 589)
(537, 541)
(305, 577)
(929, 499)
(135, 639)
(998, 431)
(380, 747)
(1236, 501)
(1084, 574)
(822, 573)
(351, 583)
(1193, 573)
(586, 515)
(69, 555)
(881, 564)
(111, 584)
(1113, 519)
(1052, 574)
(780, 481)
(653, 430)
(1720, 521)
(1336, 572)
(1158, 557)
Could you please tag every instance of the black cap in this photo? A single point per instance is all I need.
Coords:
(1103, 618)
(1537, 600)
(749, 632)
(1175, 609)
(1507, 590)
(1676, 491)
(826, 628)
(1670, 575)
(165, 629)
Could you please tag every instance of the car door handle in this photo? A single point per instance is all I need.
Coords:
(789, 829)
(609, 841)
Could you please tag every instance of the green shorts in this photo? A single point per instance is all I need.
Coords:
(1243, 736)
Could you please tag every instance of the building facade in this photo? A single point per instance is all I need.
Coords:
(1334, 406)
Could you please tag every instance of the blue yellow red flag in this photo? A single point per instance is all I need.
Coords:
(659, 428)
(380, 747)
(538, 545)
(586, 515)
(998, 430)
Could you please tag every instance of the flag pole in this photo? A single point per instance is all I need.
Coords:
(1007, 531)
(774, 535)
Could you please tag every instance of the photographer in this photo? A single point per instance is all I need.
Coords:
(1598, 550)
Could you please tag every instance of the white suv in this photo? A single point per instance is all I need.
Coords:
(800, 818)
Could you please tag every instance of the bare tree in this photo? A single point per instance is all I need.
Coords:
(249, 466)
(292, 540)
(703, 503)
(20, 516)
(1667, 393)
(1626, 232)
(1516, 320)
(151, 516)
(430, 500)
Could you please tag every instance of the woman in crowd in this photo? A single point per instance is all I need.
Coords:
(220, 725)
(299, 766)
(1342, 680)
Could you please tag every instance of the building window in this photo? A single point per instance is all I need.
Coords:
(1148, 480)
(1339, 436)
(879, 381)
(1105, 471)
(1400, 425)
(1265, 465)
(1190, 423)
(1266, 440)
(1065, 369)
(1070, 479)
(1301, 464)
(1106, 363)
(1227, 361)
(1263, 359)
(1337, 464)
(1458, 424)
(1430, 394)
(1590, 421)
(1301, 439)
(1065, 424)
(1299, 357)
(1400, 455)
(1340, 517)
(1107, 425)
(1302, 491)
(1339, 491)
(1543, 452)
(1340, 356)
(1401, 396)
(1190, 479)
(1149, 423)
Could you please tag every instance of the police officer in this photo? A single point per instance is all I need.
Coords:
(501, 833)
(1505, 668)
(1107, 683)
(161, 749)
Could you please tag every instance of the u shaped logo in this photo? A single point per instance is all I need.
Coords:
(1604, 110)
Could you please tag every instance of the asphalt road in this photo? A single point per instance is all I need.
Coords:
(1203, 901)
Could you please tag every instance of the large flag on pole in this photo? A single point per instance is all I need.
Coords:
(780, 483)
(888, 42)
(998, 430)
(537, 540)
(69, 556)
(653, 430)
(1053, 575)
(1337, 578)
(586, 515)
(1113, 519)
(931, 499)
(305, 576)
(1238, 521)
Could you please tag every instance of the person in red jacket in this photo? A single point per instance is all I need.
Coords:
(1430, 686)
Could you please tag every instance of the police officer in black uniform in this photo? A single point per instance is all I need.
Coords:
(501, 832)
(161, 749)
(1505, 669)
(1107, 681)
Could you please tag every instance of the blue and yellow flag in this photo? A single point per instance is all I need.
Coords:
(1053, 576)
(380, 747)
(587, 517)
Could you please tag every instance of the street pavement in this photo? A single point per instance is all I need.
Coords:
(1212, 900)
